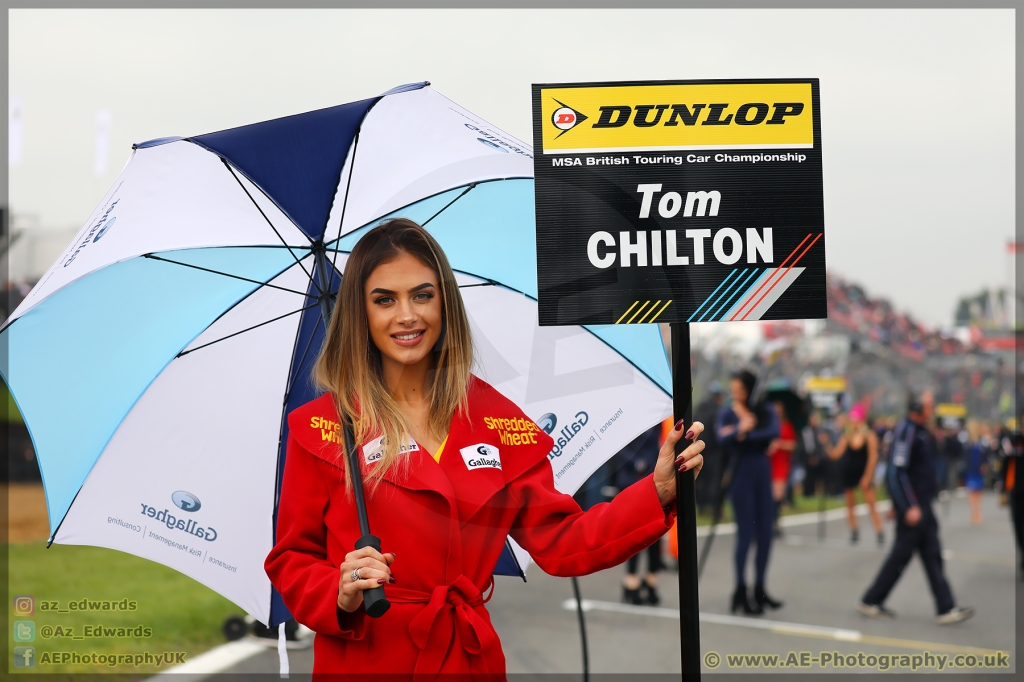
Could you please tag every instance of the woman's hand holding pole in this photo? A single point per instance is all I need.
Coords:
(689, 459)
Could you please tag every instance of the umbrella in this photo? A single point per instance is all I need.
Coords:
(156, 360)
(796, 406)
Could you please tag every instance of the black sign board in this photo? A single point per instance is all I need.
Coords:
(679, 201)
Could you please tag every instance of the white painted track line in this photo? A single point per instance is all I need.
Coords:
(720, 619)
(777, 626)
(801, 519)
(213, 661)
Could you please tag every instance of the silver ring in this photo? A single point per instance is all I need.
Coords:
(355, 575)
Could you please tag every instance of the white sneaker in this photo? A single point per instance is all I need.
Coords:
(875, 610)
(955, 615)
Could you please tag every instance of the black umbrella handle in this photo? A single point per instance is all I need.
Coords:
(374, 601)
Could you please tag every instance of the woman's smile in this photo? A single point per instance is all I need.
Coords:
(408, 339)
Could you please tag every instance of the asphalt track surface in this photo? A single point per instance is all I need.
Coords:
(819, 581)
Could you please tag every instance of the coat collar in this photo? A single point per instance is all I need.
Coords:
(488, 446)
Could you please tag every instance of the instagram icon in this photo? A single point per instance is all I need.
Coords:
(24, 605)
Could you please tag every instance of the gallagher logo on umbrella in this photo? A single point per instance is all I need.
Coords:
(565, 118)
(547, 422)
(186, 501)
(103, 230)
(492, 145)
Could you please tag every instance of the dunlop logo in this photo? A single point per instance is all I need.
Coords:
(649, 115)
(677, 117)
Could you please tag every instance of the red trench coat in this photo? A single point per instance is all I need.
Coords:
(446, 522)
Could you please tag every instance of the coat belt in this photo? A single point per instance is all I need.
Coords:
(457, 606)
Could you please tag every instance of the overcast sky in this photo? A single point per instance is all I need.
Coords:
(917, 105)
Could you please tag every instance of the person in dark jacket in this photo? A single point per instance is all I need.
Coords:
(635, 462)
(811, 454)
(709, 486)
(1013, 484)
(746, 429)
(911, 480)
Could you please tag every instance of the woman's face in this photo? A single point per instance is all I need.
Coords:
(403, 310)
(738, 391)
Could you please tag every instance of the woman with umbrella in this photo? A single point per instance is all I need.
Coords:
(747, 428)
(452, 467)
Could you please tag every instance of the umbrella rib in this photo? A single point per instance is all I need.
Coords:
(286, 245)
(302, 361)
(344, 203)
(247, 329)
(445, 207)
(224, 274)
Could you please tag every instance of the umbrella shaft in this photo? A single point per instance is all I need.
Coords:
(324, 275)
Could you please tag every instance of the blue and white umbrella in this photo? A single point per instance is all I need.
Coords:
(156, 360)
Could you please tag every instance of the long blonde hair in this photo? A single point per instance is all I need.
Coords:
(349, 365)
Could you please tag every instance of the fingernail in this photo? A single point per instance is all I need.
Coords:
(682, 468)
(679, 425)
(392, 579)
(689, 435)
(380, 581)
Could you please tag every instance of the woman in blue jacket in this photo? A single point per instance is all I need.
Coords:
(746, 431)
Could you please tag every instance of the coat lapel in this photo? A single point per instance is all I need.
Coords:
(487, 447)
(317, 428)
(472, 462)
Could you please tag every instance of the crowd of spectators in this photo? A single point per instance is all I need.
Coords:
(876, 319)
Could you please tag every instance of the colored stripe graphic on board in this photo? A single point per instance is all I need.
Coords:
(722, 295)
(731, 299)
(802, 253)
(767, 280)
(641, 309)
(728, 277)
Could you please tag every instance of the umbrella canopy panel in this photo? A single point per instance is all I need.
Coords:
(81, 358)
(188, 478)
(169, 197)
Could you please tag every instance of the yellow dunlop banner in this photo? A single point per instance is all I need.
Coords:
(825, 384)
(616, 118)
(950, 410)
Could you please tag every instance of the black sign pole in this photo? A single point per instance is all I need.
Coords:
(686, 509)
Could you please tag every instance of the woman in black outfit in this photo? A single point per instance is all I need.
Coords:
(857, 452)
